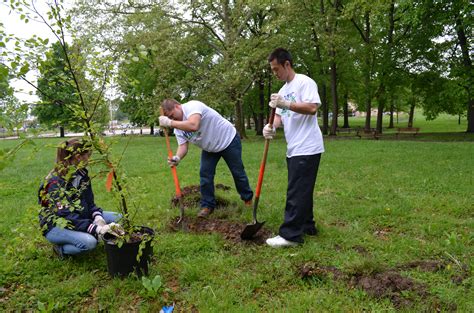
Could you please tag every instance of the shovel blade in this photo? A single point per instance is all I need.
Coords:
(250, 230)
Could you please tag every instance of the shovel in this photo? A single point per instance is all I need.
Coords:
(251, 229)
(175, 176)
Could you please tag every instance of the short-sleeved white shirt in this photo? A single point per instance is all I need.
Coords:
(215, 133)
(302, 132)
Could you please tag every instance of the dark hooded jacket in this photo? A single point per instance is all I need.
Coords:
(71, 200)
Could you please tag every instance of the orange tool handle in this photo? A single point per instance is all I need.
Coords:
(264, 159)
(170, 155)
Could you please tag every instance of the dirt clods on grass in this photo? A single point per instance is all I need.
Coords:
(321, 272)
(424, 265)
(385, 284)
(229, 230)
(191, 195)
(389, 284)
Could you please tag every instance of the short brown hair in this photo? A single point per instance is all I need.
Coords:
(169, 104)
(66, 151)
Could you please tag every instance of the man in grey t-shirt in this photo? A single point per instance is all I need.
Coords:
(199, 124)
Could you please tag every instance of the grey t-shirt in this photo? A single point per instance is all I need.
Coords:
(215, 133)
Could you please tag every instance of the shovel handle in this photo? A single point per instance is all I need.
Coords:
(170, 155)
(264, 159)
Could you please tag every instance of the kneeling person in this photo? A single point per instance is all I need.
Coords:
(69, 217)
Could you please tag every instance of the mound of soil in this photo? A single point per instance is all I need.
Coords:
(229, 230)
(424, 265)
(191, 196)
(321, 272)
(387, 284)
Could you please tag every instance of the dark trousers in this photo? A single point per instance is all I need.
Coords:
(233, 157)
(302, 173)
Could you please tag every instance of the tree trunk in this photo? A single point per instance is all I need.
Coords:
(332, 53)
(61, 131)
(346, 110)
(467, 63)
(392, 108)
(269, 93)
(368, 109)
(152, 129)
(322, 73)
(239, 118)
(368, 102)
(325, 108)
(380, 108)
(335, 105)
(261, 107)
(411, 114)
(470, 115)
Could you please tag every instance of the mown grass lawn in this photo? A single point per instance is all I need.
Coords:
(379, 205)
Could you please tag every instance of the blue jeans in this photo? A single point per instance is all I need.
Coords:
(74, 242)
(233, 157)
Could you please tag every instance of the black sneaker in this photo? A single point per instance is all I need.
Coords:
(58, 251)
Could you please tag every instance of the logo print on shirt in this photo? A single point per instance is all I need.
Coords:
(192, 136)
(290, 97)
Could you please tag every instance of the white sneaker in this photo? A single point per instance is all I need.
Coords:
(278, 241)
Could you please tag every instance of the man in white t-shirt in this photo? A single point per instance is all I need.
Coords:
(199, 124)
(297, 103)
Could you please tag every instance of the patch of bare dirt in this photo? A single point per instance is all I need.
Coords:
(191, 196)
(229, 230)
(424, 265)
(361, 250)
(320, 272)
(389, 284)
(458, 279)
(383, 233)
(386, 284)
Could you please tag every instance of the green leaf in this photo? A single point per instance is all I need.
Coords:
(157, 282)
(24, 69)
(146, 282)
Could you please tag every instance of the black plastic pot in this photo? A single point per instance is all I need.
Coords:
(121, 261)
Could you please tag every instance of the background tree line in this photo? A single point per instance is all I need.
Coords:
(389, 55)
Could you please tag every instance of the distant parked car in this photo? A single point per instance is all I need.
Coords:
(162, 133)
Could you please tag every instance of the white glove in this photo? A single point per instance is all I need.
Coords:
(112, 228)
(116, 229)
(164, 121)
(269, 132)
(277, 101)
(99, 220)
(174, 161)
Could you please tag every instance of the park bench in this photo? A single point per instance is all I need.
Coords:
(372, 133)
(408, 130)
